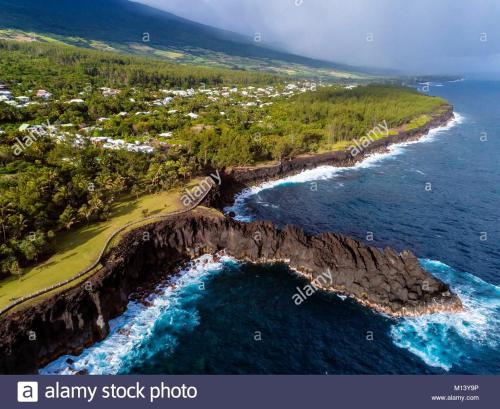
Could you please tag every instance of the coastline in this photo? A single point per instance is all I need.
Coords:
(238, 179)
(88, 313)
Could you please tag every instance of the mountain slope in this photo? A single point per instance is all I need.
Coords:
(122, 24)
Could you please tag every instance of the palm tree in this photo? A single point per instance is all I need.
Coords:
(20, 222)
(95, 204)
(67, 218)
(5, 208)
(85, 212)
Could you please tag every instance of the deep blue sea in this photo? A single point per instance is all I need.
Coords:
(439, 197)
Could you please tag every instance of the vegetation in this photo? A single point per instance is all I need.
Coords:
(80, 247)
(64, 182)
(66, 70)
(141, 30)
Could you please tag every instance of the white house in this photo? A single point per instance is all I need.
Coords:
(41, 93)
(109, 92)
(23, 100)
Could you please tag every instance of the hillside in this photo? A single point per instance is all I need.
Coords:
(122, 25)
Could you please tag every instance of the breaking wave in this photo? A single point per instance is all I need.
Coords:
(446, 339)
(170, 311)
(329, 172)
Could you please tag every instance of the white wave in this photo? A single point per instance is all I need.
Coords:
(136, 326)
(329, 172)
(444, 339)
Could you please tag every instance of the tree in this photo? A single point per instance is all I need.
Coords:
(86, 212)
(67, 217)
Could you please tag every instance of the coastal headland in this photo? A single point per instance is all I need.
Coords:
(384, 280)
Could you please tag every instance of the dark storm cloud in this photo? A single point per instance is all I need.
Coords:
(431, 36)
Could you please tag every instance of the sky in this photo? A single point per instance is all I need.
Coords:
(416, 36)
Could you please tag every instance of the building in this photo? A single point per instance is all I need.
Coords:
(41, 93)
(23, 100)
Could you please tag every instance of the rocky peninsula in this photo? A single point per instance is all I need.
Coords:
(384, 280)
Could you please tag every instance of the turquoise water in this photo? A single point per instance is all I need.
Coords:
(227, 317)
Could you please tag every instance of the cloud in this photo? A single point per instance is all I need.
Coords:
(431, 36)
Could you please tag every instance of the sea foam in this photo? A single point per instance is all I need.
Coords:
(170, 310)
(442, 340)
(330, 172)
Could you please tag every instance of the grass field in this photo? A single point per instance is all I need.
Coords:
(79, 248)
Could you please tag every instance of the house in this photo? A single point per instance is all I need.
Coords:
(109, 92)
(166, 134)
(76, 101)
(41, 93)
(23, 100)
(192, 115)
(180, 93)
(99, 139)
(24, 127)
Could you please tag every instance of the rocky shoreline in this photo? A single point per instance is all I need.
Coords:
(386, 281)
(72, 320)
(235, 180)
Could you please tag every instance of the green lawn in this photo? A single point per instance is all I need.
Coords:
(79, 248)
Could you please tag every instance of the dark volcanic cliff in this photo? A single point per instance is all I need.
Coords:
(65, 323)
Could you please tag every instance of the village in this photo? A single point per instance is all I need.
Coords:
(168, 100)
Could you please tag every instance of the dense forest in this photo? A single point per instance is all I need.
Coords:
(230, 118)
(66, 70)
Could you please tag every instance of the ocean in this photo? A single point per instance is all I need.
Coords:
(439, 197)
